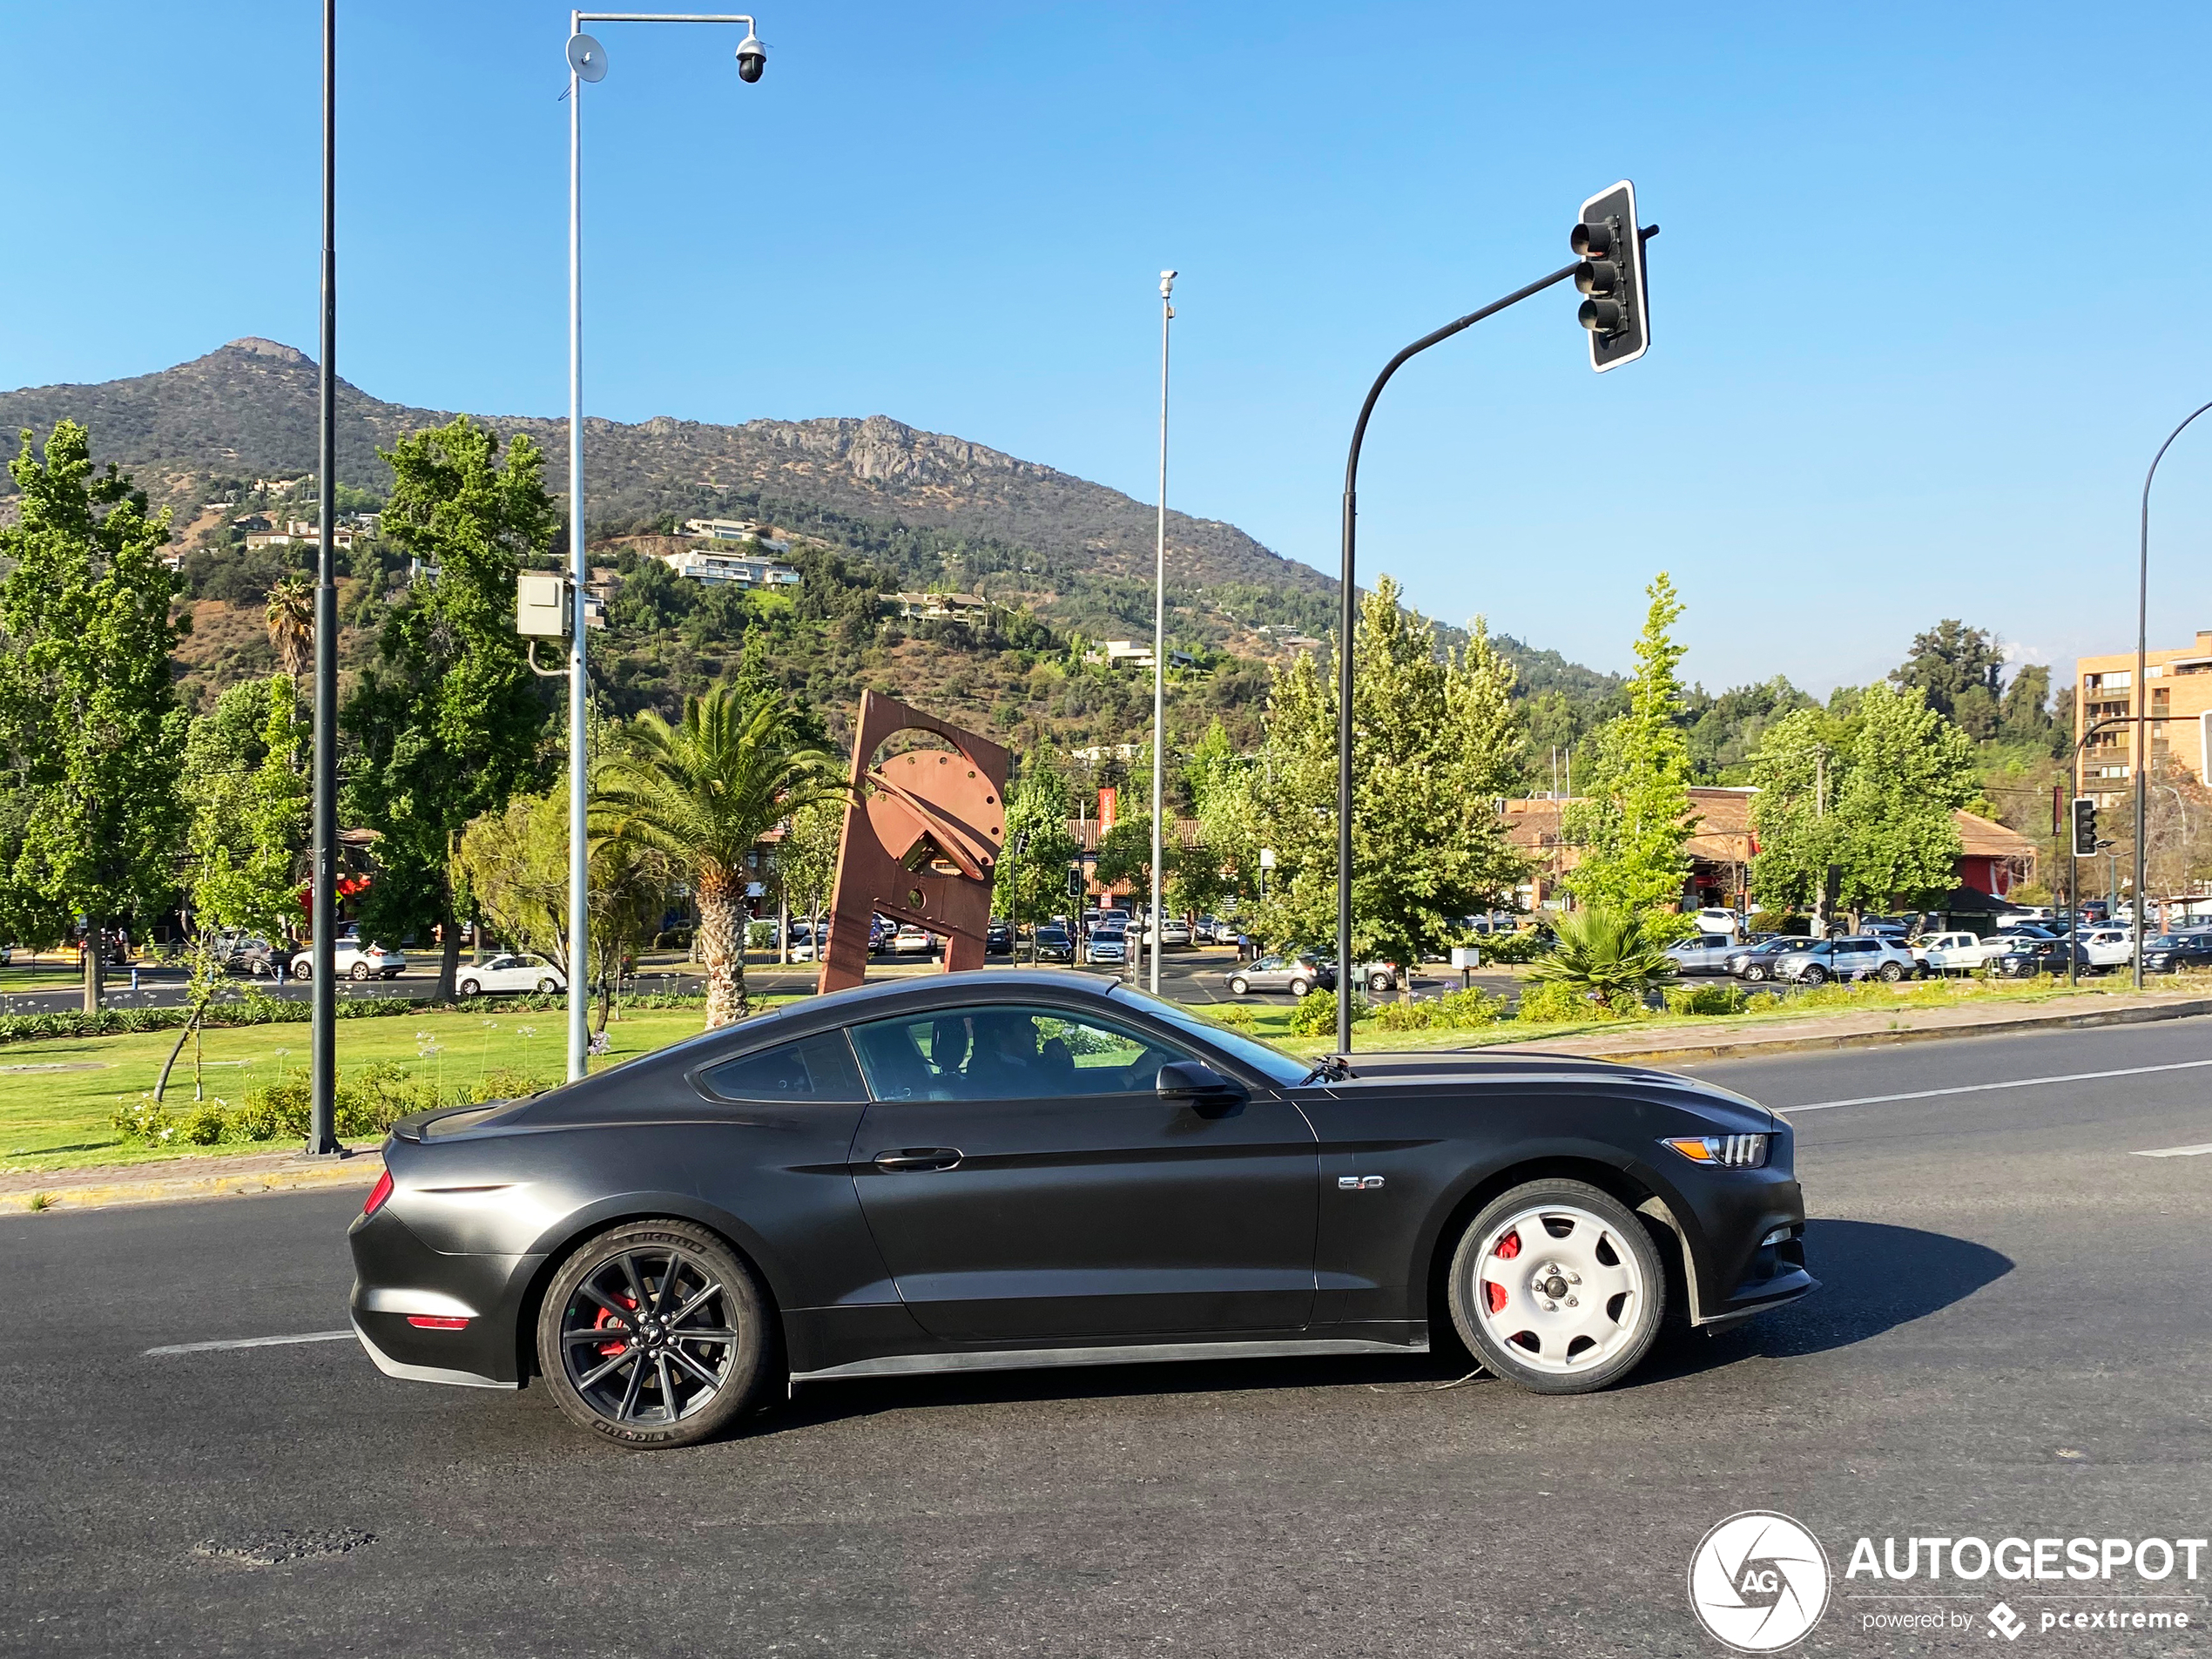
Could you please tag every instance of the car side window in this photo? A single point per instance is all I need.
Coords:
(1000, 1053)
(817, 1069)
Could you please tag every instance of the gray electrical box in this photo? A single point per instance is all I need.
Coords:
(541, 605)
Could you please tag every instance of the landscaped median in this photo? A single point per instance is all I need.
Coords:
(67, 1105)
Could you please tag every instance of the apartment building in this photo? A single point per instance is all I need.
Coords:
(713, 568)
(2179, 713)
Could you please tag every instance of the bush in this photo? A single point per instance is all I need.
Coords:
(1555, 1002)
(1524, 947)
(1614, 956)
(368, 1103)
(1453, 1011)
(1707, 999)
(1780, 921)
(1237, 1016)
(1316, 1014)
(203, 1124)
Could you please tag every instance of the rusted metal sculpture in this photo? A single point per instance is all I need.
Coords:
(921, 840)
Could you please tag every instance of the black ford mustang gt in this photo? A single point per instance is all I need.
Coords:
(1030, 1168)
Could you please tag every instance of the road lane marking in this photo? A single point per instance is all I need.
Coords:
(1978, 1089)
(2177, 1151)
(255, 1342)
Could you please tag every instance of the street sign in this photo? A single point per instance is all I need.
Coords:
(1611, 245)
(1267, 858)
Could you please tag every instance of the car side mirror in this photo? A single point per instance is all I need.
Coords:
(1201, 1085)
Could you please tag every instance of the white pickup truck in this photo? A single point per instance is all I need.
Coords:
(1959, 952)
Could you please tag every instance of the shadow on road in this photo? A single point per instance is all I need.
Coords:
(1873, 1278)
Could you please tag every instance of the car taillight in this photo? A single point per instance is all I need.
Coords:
(436, 1322)
(378, 1193)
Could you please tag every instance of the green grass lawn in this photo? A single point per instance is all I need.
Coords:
(57, 1118)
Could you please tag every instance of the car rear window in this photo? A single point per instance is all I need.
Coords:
(818, 1068)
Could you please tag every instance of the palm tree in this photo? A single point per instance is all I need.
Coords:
(291, 617)
(703, 792)
(1606, 954)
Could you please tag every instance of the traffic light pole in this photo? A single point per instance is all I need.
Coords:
(1348, 618)
(2141, 698)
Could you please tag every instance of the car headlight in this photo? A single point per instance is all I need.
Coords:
(1723, 1151)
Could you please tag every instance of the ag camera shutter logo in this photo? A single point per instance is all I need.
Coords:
(1758, 1581)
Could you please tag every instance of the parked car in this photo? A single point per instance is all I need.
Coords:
(1291, 971)
(1717, 919)
(1173, 931)
(509, 1243)
(1109, 947)
(1052, 944)
(1707, 954)
(511, 973)
(2025, 929)
(2109, 947)
(2024, 958)
(911, 941)
(1883, 928)
(1957, 952)
(2026, 913)
(1855, 957)
(2166, 953)
(355, 961)
(998, 939)
(252, 953)
(1755, 963)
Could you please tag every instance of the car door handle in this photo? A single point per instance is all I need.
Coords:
(918, 1157)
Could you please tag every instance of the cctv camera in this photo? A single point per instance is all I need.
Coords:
(752, 58)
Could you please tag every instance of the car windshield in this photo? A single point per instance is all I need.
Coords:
(1264, 1057)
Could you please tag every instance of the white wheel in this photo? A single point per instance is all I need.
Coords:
(1381, 982)
(1240, 988)
(360, 971)
(1557, 1287)
(469, 988)
(1299, 988)
(1754, 973)
(546, 988)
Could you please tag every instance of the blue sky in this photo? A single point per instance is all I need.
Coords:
(1929, 291)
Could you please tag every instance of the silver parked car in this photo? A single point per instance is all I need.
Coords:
(1295, 973)
(1707, 954)
(1859, 957)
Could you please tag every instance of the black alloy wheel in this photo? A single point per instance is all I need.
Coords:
(653, 1334)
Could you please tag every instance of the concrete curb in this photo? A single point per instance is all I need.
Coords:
(1734, 1048)
(360, 1169)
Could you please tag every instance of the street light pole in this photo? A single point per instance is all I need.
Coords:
(1160, 640)
(587, 63)
(322, 914)
(2142, 696)
(1348, 618)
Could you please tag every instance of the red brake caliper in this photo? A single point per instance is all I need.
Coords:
(1508, 1247)
(609, 1350)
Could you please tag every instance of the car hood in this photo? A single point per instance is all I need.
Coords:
(1490, 1070)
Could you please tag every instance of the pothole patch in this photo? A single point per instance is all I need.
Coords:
(276, 1548)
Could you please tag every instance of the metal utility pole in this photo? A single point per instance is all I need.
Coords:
(2141, 766)
(588, 63)
(1160, 641)
(322, 916)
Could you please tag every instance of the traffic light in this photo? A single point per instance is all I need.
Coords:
(1075, 881)
(2085, 826)
(1611, 274)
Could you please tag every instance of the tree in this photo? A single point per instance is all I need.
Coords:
(1041, 804)
(246, 782)
(1910, 770)
(1611, 955)
(1433, 742)
(511, 866)
(703, 792)
(1871, 791)
(1634, 821)
(88, 718)
(806, 859)
(448, 723)
(1961, 672)
(1125, 855)
(291, 617)
(2027, 717)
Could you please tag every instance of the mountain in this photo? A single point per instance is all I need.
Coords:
(250, 410)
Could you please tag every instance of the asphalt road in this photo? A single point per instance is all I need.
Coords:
(2013, 1339)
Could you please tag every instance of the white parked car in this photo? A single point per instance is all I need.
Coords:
(914, 941)
(511, 973)
(1959, 953)
(355, 961)
(2108, 947)
(1716, 919)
